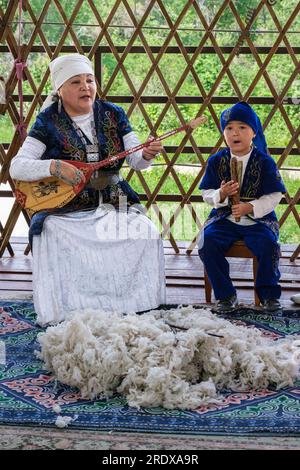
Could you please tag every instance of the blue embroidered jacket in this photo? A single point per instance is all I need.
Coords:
(261, 177)
(56, 131)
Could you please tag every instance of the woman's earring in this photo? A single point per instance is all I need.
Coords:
(59, 104)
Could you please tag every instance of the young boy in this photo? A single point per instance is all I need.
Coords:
(260, 192)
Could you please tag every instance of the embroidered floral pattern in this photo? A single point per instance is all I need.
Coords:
(226, 114)
(223, 169)
(113, 144)
(72, 147)
(252, 178)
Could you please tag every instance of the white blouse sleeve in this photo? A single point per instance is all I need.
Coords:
(27, 164)
(262, 206)
(135, 160)
(212, 197)
(265, 204)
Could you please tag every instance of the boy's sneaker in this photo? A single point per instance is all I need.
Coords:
(226, 305)
(271, 305)
(296, 298)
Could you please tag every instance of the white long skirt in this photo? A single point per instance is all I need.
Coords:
(99, 259)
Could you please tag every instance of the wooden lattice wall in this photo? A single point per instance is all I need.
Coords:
(120, 36)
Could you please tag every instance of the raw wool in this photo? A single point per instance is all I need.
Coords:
(63, 421)
(56, 408)
(166, 358)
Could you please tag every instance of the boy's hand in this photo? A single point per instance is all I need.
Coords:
(244, 208)
(228, 189)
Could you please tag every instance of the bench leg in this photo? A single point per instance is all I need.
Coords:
(255, 266)
(207, 287)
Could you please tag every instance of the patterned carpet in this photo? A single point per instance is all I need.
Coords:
(28, 392)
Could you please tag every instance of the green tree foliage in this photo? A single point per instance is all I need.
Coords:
(190, 32)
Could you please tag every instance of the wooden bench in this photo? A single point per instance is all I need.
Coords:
(238, 250)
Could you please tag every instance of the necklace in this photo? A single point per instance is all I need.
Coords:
(92, 150)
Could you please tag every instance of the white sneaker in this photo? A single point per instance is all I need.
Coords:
(296, 298)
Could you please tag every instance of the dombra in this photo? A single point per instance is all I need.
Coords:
(236, 169)
(52, 192)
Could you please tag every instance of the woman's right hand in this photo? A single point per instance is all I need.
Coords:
(66, 172)
(228, 189)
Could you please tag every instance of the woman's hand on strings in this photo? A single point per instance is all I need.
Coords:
(228, 189)
(66, 172)
(153, 150)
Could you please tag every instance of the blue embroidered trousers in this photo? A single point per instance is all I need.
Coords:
(218, 238)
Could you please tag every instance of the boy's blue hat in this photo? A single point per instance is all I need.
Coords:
(243, 112)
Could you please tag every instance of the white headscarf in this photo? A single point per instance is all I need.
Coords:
(62, 69)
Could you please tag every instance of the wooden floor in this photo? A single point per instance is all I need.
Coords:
(184, 275)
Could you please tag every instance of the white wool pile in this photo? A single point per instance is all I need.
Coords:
(180, 358)
(63, 421)
(56, 408)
